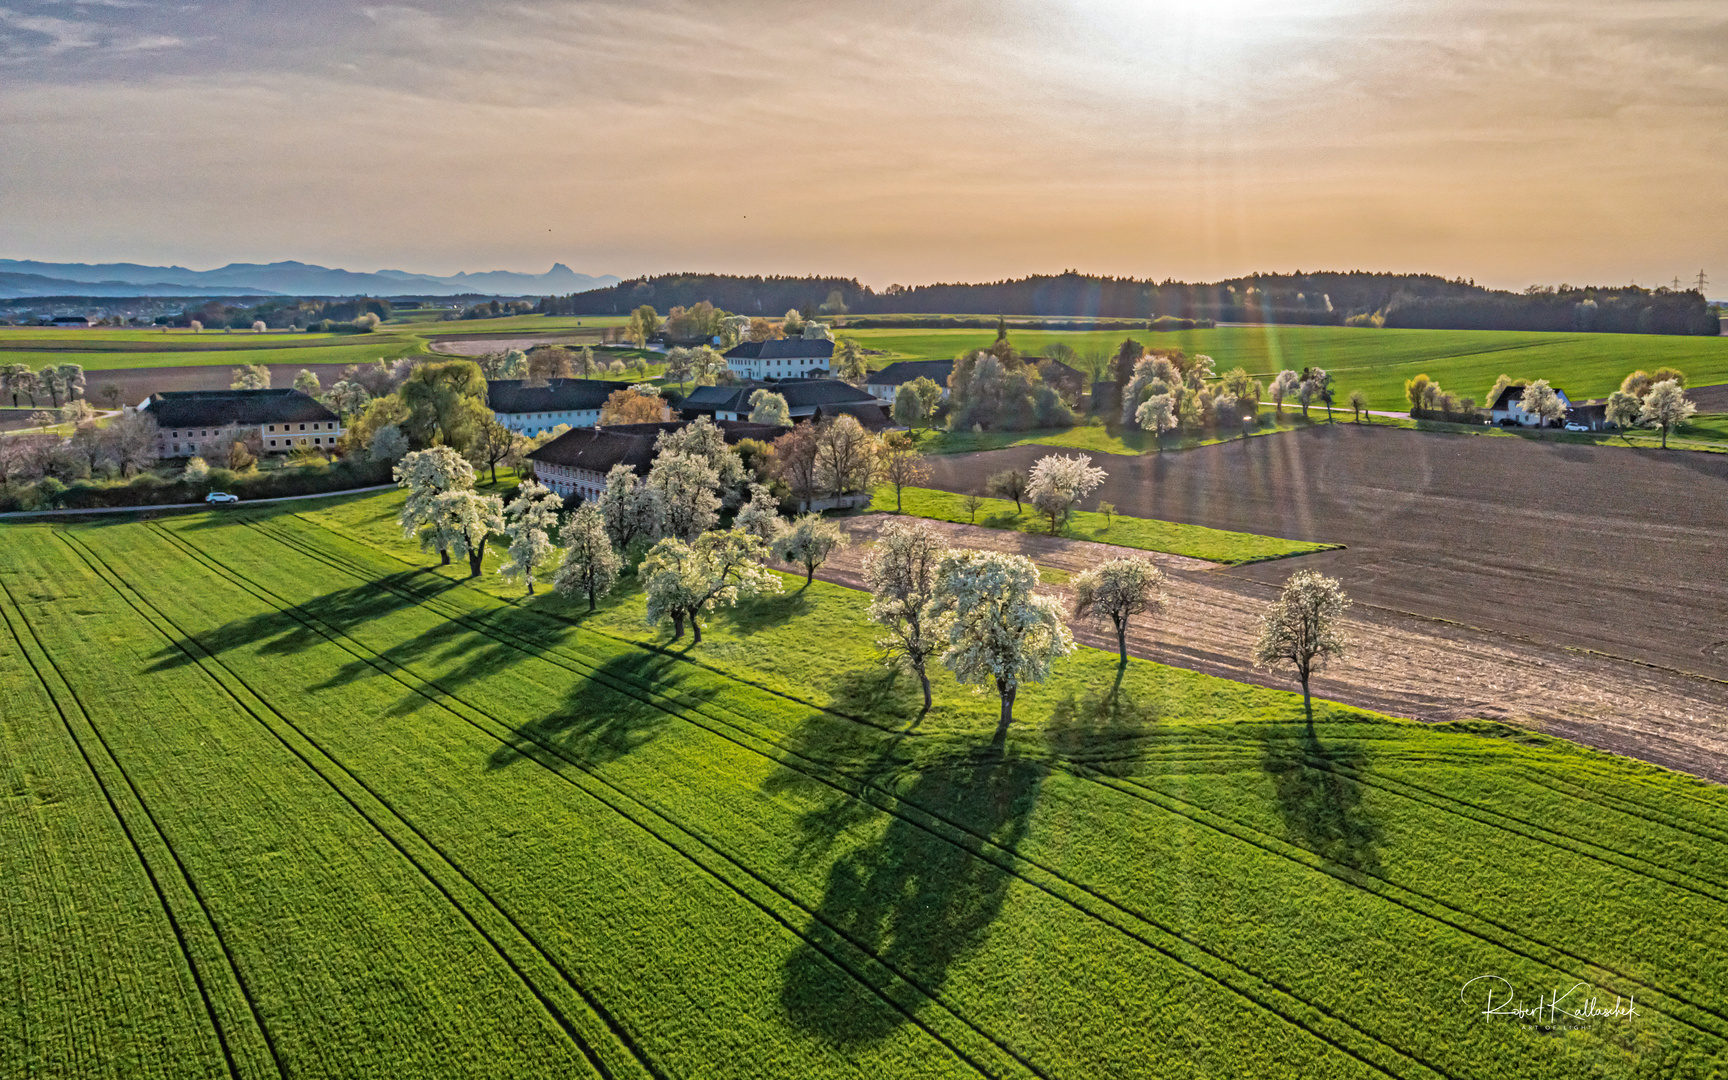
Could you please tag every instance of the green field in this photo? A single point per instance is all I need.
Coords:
(104, 349)
(284, 800)
(1376, 362)
(1174, 538)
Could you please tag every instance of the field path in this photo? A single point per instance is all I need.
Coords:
(1408, 665)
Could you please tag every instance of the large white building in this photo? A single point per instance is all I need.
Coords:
(209, 422)
(791, 358)
(534, 407)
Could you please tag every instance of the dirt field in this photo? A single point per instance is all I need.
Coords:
(1403, 664)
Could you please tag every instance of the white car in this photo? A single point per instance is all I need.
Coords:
(1576, 427)
(221, 497)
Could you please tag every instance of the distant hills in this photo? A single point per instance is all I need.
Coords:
(20, 278)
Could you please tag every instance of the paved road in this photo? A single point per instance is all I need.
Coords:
(1619, 550)
(192, 506)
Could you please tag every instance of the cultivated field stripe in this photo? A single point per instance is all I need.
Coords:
(1671, 994)
(354, 1009)
(600, 1026)
(1175, 946)
(1534, 948)
(443, 698)
(244, 1040)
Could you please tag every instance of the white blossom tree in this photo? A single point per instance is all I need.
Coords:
(1059, 482)
(306, 381)
(629, 508)
(1665, 406)
(767, 407)
(464, 520)
(683, 580)
(998, 629)
(900, 572)
(529, 522)
(388, 444)
(1157, 414)
(591, 565)
(1301, 628)
(1625, 411)
(425, 475)
(703, 439)
(685, 487)
(1283, 388)
(809, 541)
(1115, 592)
(1540, 401)
(347, 397)
(760, 515)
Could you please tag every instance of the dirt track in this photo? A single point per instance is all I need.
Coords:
(1403, 664)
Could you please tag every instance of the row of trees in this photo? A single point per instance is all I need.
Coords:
(57, 382)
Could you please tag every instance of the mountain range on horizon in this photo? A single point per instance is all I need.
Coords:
(26, 278)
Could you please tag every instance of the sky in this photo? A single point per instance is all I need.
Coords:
(1511, 142)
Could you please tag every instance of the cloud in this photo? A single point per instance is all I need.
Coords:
(1509, 141)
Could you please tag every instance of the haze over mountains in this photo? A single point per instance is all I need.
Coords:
(23, 277)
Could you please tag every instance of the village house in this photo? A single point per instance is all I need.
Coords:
(576, 462)
(806, 399)
(791, 358)
(530, 408)
(209, 422)
(884, 384)
(1506, 410)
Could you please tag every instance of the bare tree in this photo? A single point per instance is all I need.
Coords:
(902, 464)
(1116, 592)
(1008, 484)
(1301, 628)
(809, 542)
(846, 456)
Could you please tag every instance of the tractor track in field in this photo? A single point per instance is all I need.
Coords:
(1267, 843)
(442, 699)
(1011, 862)
(122, 588)
(194, 967)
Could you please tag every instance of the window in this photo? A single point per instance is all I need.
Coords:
(318, 439)
(272, 428)
(272, 442)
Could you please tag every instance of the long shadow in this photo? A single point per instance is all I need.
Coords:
(1104, 730)
(1321, 806)
(283, 632)
(761, 612)
(911, 898)
(602, 720)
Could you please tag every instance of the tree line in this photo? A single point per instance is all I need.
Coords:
(1332, 298)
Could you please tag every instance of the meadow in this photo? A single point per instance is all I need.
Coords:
(1377, 362)
(286, 798)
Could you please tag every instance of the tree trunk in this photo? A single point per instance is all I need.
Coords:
(1122, 639)
(924, 679)
(444, 556)
(696, 628)
(677, 625)
(530, 586)
(809, 573)
(1007, 692)
(475, 556)
(897, 498)
(1307, 704)
(590, 598)
(494, 473)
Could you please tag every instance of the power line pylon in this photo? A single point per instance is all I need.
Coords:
(1702, 281)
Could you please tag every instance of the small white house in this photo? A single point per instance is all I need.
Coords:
(1506, 409)
(791, 358)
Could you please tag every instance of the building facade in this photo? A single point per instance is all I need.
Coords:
(209, 422)
(791, 358)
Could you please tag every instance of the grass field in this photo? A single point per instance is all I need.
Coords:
(281, 800)
(1194, 541)
(1376, 362)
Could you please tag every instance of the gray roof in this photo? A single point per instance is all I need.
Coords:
(904, 371)
(786, 349)
(1515, 391)
(219, 408)
(799, 394)
(522, 396)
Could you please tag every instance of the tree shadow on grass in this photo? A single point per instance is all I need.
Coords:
(916, 895)
(611, 713)
(1105, 730)
(283, 632)
(761, 612)
(1321, 805)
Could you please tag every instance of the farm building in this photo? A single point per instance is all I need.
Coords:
(792, 358)
(576, 462)
(1592, 414)
(1506, 409)
(804, 397)
(209, 422)
(74, 322)
(533, 407)
(884, 384)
